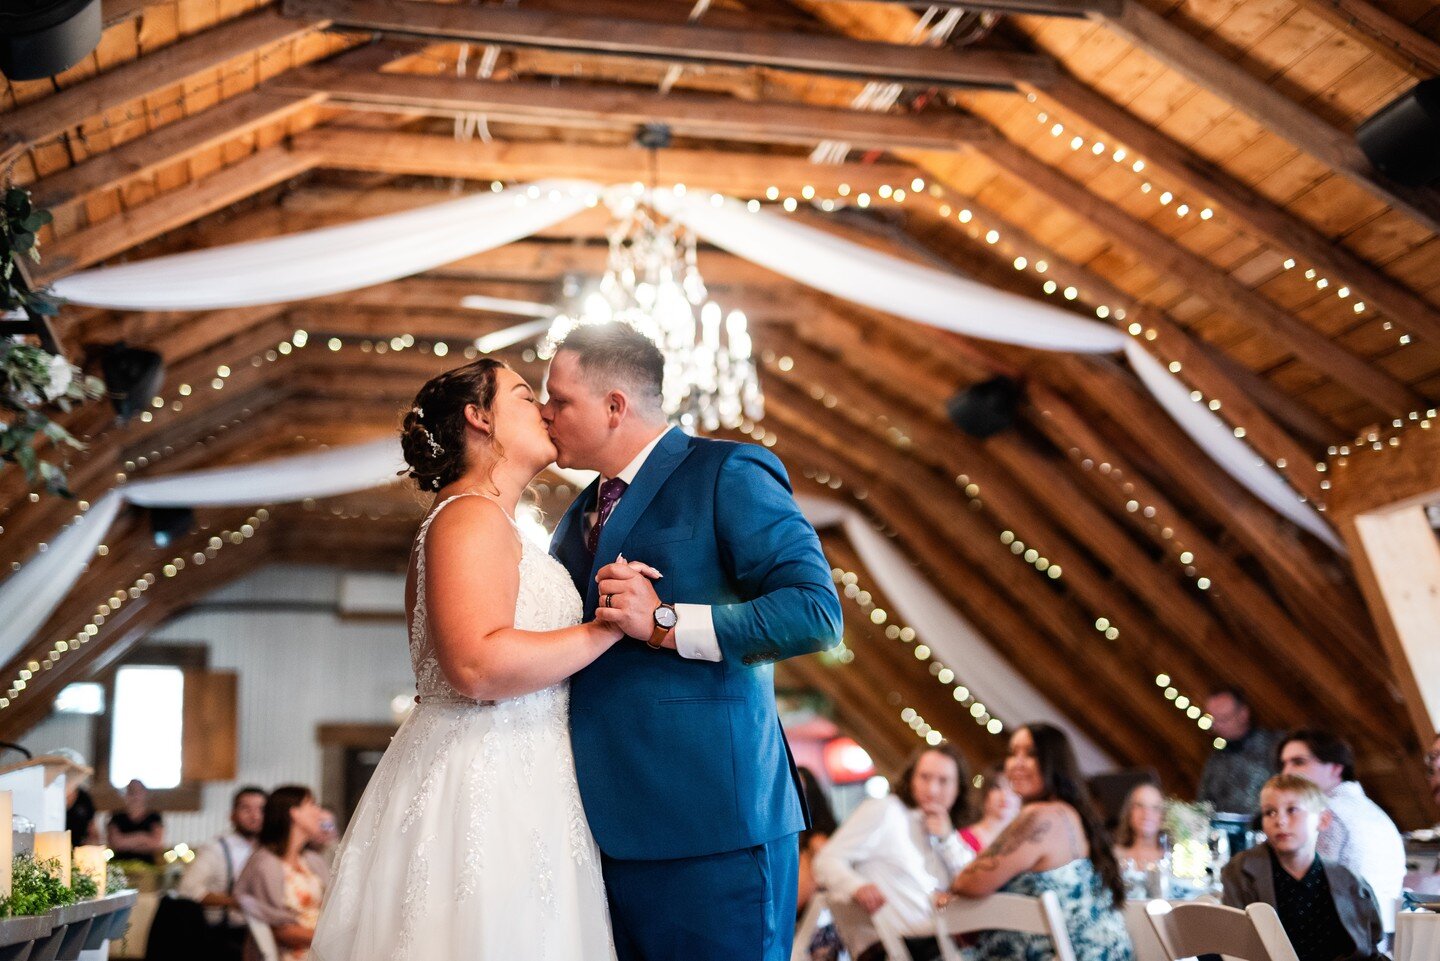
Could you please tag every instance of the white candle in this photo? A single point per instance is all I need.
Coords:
(90, 859)
(54, 845)
(7, 843)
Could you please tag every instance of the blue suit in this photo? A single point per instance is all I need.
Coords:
(685, 775)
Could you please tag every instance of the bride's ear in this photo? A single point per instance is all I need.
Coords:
(478, 419)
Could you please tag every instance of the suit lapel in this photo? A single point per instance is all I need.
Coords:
(568, 542)
(673, 448)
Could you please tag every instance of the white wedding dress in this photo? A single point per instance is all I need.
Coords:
(470, 841)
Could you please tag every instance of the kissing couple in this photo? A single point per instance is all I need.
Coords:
(594, 768)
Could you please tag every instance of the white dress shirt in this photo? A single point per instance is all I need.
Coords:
(210, 874)
(1364, 839)
(885, 843)
(694, 624)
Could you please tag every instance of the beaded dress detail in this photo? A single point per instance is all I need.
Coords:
(470, 840)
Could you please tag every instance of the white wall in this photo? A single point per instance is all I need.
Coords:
(300, 665)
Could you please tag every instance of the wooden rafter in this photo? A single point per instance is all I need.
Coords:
(616, 107)
(695, 44)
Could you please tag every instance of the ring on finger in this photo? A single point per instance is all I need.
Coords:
(607, 600)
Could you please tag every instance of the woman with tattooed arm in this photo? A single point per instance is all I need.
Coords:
(1057, 843)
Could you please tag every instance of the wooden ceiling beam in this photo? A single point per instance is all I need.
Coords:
(747, 174)
(946, 509)
(1168, 42)
(1042, 8)
(1015, 620)
(1246, 207)
(1356, 374)
(612, 106)
(230, 119)
(173, 209)
(55, 114)
(800, 53)
(1393, 39)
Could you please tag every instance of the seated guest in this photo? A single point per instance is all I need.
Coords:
(822, 825)
(1328, 912)
(998, 806)
(825, 942)
(136, 832)
(1057, 843)
(1231, 778)
(893, 853)
(1359, 836)
(1142, 819)
(283, 884)
(210, 878)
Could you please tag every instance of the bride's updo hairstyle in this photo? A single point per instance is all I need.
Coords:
(433, 434)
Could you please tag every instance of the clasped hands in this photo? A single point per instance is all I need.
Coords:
(628, 599)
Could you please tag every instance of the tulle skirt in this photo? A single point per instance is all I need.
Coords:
(470, 843)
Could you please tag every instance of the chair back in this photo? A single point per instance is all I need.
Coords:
(1186, 930)
(1004, 912)
(264, 939)
(805, 930)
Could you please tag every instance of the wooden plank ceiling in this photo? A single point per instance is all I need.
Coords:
(1184, 171)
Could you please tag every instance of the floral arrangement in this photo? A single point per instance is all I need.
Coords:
(1187, 824)
(32, 380)
(36, 888)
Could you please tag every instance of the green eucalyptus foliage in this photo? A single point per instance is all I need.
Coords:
(36, 888)
(33, 381)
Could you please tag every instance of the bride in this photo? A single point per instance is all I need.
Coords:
(470, 841)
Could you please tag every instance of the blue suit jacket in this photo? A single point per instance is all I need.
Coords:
(681, 758)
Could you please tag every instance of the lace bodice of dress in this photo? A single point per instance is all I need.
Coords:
(547, 600)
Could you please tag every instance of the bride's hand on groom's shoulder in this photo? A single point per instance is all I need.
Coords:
(627, 597)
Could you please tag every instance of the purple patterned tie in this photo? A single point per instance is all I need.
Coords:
(610, 492)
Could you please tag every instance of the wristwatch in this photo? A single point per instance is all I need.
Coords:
(665, 620)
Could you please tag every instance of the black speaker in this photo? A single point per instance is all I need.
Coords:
(39, 40)
(1402, 140)
(132, 375)
(987, 408)
(169, 524)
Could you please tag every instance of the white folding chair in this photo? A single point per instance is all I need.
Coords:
(264, 939)
(1186, 930)
(808, 924)
(1004, 912)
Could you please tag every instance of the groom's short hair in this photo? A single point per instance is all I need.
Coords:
(616, 355)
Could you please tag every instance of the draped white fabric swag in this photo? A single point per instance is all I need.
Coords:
(380, 249)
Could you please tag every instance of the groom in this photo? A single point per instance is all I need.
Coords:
(687, 780)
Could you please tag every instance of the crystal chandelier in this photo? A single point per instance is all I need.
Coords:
(652, 283)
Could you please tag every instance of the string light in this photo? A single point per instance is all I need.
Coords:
(848, 584)
(133, 591)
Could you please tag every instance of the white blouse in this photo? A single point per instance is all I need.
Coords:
(884, 843)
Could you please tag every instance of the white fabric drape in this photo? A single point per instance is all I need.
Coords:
(929, 296)
(29, 596)
(330, 260)
(955, 641)
(384, 248)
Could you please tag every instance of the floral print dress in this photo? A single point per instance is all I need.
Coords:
(1097, 929)
(304, 892)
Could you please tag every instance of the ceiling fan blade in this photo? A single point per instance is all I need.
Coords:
(501, 305)
(510, 336)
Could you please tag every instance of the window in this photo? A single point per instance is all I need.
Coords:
(147, 727)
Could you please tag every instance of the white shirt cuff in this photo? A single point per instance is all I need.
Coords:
(695, 633)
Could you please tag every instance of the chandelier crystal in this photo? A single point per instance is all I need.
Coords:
(652, 284)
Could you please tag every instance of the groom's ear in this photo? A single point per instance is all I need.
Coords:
(478, 419)
(617, 405)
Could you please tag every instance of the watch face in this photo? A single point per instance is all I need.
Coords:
(665, 616)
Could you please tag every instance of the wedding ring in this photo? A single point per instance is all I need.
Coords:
(607, 600)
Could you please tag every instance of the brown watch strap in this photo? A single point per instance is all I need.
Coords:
(656, 641)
